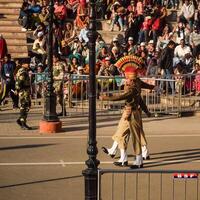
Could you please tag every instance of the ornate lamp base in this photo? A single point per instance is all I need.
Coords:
(50, 127)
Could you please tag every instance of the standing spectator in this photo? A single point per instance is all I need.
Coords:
(7, 75)
(195, 41)
(3, 47)
(166, 63)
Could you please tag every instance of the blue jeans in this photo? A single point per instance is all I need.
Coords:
(167, 75)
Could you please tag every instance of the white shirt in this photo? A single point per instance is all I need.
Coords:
(181, 51)
(187, 10)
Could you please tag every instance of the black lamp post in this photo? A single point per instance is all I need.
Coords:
(50, 97)
(50, 122)
(92, 163)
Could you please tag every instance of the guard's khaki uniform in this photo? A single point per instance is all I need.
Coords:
(131, 121)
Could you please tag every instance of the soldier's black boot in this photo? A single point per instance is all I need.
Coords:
(25, 126)
(19, 123)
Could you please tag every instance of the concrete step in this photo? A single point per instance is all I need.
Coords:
(9, 17)
(13, 1)
(11, 29)
(19, 55)
(16, 42)
(10, 5)
(17, 49)
(13, 11)
(109, 35)
(8, 23)
(105, 25)
(8, 35)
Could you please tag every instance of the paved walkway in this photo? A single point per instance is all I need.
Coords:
(40, 166)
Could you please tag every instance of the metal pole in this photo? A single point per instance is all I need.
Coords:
(50, 97)
(91, 173)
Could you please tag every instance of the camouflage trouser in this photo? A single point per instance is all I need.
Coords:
(59, 92)
(25, 103)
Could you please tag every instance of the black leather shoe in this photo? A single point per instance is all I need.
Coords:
(147, 158)
(136, 166)
(121, 164)
(105, 150)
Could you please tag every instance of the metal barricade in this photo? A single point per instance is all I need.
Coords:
(172, 96)
(148, 184)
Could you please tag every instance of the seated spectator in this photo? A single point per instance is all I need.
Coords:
(74, 65)
(156, 26)
(187, 13)
(68, 34)
(83, 37)
(179, 78)
(102, 54)
(197, 80)
(181, 50)
(140, 8)
(152, 68)
(144, 30)
(188, 62)
(81, 18)
(60, 11)
(107, 68)
(44, 16)
(34, 7)
(165, 37)
(115, 54)
(24, 17)
(130, 47)
(40, 28)
(39, 47)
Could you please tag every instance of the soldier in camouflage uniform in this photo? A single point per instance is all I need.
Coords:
(58, 74)
(22, 87)
(130, 122)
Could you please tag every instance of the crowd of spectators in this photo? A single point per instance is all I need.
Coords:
(166, 48)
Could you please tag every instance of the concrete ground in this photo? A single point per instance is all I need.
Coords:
(41, 166)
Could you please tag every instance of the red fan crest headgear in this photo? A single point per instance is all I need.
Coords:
(131, 65)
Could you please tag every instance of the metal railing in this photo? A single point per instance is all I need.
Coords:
(172, 97)
(148, 184)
